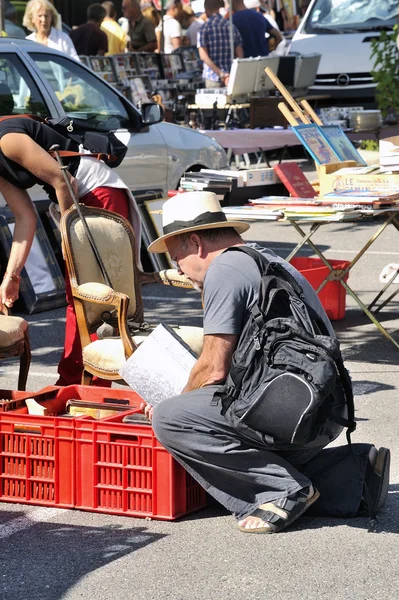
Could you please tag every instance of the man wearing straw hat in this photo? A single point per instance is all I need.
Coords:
(265, 489)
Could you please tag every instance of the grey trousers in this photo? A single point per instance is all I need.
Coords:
(236, 471)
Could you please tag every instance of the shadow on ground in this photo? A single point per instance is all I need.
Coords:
(48, 559)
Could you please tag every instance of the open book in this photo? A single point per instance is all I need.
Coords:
(160, 366)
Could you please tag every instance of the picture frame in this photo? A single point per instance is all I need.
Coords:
(148, 63)
(191, 59)
(316, 143)
(104, 67)
(42, 284)
(140, 89)
(151, 221)
(342, 144)
(172, 65)
(125, 66)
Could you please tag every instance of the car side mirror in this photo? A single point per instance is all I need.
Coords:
(151, 113)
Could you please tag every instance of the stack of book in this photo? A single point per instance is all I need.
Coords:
(389, 154)
(209, 182)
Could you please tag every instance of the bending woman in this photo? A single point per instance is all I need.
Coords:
(25, 162)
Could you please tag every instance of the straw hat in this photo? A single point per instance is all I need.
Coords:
(192, 211)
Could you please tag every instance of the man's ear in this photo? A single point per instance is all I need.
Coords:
(198, 243)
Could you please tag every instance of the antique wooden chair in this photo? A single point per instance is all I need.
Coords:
(114, 239)
(14, 341)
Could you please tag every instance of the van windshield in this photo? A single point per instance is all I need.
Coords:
(340, 16)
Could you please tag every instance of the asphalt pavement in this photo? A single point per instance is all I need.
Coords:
(54, 554)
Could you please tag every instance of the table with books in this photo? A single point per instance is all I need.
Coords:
(351, 207)
(244, 141)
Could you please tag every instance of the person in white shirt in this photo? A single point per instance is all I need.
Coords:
(170, 28)
(42, 18)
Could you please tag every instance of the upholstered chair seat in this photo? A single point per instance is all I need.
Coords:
(118, 299)
(14, 341)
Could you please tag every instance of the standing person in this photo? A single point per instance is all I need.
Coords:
(41, 18)
(25, 162)
(141, 30)
(194, 25)
(253, 28)
(214, 46)
(261, 483)
(117, 38)
(170, 29)
(88, 38)
(10, 21)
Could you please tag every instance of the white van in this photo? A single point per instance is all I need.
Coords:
(341, 31)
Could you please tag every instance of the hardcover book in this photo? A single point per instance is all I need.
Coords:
(294, 180)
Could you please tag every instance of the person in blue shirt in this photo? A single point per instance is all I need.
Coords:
(214, 46)
(253, 28)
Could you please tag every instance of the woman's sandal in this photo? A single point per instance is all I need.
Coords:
(276, 516)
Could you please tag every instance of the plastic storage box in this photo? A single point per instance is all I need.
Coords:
(97, 465)
(333, 294)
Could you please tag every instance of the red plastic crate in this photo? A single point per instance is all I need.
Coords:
(37, 460)
(123, 469)
(333, 294)
(106, 465)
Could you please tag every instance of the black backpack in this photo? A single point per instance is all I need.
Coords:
(287, 378)
(102, 144)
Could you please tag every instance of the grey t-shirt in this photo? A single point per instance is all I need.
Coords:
(231, 287)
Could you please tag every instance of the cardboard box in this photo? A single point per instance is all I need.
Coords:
(331, 180)
(259, 177)
(382, 182)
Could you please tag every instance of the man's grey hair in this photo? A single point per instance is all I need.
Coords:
(213, 236)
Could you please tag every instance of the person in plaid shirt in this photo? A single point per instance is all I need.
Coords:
(214, 46)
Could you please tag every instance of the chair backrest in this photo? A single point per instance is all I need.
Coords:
(115, 241)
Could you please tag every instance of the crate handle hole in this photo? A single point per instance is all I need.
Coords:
(123, 438)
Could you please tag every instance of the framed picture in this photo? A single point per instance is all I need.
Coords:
(150, 204)
(140, 89)
(341, 144)
(316, 143)
(42, 283)
(85, 61)
(191, 59)
(125, 67)
(148, 63)
(172, 65)
(104, 67)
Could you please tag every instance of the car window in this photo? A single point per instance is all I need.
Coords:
(362, 14)
(18, 92)
(82, 94)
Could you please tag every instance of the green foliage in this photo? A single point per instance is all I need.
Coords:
(369, 145)
(386, 71)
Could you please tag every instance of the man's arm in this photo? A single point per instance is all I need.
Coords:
(276, 34)
(204, 56)
(150, 47)
(239, 52)
(214, 363)
(25, 226)
(20, 148)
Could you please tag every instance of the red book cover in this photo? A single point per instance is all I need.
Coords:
(294, 180)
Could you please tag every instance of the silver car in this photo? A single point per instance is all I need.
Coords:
(49, 83)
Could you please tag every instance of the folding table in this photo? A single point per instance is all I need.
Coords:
(391, 217)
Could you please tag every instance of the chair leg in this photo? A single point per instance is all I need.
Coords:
(87, 378)
(24, 364)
